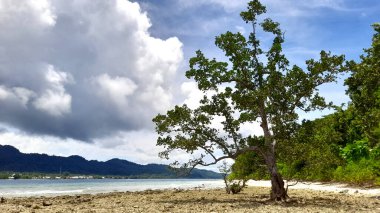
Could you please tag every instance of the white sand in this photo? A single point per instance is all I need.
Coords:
(330, 187)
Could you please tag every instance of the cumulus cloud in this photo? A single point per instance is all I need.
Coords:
(116, 89)
(192, 93)
(55, 101)
(82, 69)
(19, 95)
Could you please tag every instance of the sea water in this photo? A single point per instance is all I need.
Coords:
(47, 187)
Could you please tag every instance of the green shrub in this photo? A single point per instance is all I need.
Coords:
(356, 151)
(375, 153)
(360, 172)
(237, 187)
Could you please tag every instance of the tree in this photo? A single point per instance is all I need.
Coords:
(235, 184)
(364, 88)
(225, 170)
(255, 86)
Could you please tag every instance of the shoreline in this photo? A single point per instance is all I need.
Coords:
(252, 199)
(35, 188)
(93, 190)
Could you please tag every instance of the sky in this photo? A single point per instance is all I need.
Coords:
(86, 77)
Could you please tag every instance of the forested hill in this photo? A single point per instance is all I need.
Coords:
(11, 159)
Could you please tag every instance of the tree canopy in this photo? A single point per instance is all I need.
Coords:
(256, 85)
(364, 88)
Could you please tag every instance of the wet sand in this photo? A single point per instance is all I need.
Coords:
(252, 199)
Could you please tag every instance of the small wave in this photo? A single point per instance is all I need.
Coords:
(49, 188)
(41, 192)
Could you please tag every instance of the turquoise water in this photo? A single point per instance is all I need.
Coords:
(17, 188)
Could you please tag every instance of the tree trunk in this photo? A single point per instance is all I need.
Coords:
(278, 191)
(228, 190)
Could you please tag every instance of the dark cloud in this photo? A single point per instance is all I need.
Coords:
(82, 69)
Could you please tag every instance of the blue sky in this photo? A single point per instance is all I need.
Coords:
(342, 27)
(337, 25)
(86, 77)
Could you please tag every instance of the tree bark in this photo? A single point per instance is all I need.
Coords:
(278, 191)
(228, 190)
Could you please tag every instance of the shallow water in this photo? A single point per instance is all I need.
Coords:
(47, 187)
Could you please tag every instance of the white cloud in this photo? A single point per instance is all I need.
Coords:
(43, 8)
(31, 12)
(192, 93)
(23, 94)
(4, 93)
(116, 89)
(55, 103)
(18, 95)
(157, 97)
(57, 78)
(54, 100)
(253, 128)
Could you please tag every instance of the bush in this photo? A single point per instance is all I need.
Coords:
(360, 172)
(237, 187)
(375, 153)
(356, 151)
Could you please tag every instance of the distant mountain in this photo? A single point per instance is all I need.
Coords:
(11, 159)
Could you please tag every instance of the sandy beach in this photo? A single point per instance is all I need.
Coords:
(252, 199)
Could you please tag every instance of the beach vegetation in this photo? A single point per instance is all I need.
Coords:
(233, 184)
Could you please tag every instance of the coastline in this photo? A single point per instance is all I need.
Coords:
(252, 199)
(49, 188)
